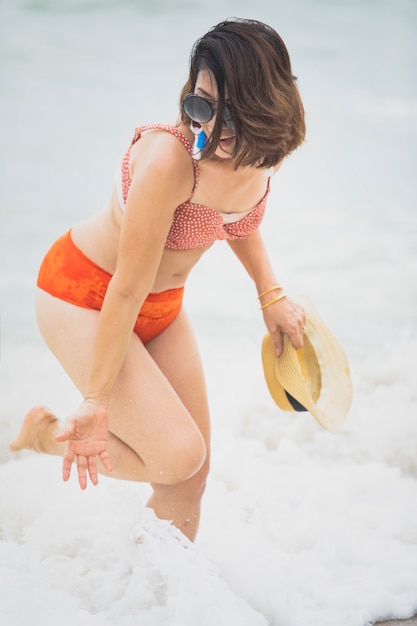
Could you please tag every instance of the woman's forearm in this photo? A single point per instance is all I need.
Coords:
(116, 323)
(154, 193)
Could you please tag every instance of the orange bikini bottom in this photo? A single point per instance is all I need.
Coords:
(69, 275)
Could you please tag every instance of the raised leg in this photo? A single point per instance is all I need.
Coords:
(38, 430)
(158, 416)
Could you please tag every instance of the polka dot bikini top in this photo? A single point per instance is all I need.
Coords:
(194, 225)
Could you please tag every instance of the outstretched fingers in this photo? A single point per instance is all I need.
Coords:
(86, 466)
(69, 457)
(82, 471)
(92, 470)
(86, 438)
(105, 459)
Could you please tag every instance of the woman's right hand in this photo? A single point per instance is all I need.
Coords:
(86, 434)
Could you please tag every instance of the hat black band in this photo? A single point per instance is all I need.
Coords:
(294, 403)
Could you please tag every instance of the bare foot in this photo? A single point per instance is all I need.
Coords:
(37, 433)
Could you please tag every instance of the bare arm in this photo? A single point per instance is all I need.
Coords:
(158, 186)
(283, 316)
(162, 178)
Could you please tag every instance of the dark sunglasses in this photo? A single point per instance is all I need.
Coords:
(200, 110)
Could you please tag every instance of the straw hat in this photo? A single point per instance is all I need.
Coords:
(315, 378)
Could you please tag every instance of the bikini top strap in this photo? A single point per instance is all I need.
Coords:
(177, 133)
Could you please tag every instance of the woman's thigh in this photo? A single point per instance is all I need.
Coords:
(157, 406)
(177, 356)
(186, 376)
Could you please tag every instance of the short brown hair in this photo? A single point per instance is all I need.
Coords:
(250, 59)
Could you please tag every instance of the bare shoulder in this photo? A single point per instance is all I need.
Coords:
(162, 156)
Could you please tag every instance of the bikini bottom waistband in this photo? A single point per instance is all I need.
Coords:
(66, 273)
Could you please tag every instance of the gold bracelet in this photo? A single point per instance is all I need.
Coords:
(264, 306)
(269, 291)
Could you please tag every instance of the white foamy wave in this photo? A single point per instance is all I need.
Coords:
(101, 558)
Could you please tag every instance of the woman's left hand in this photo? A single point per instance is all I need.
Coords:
(285, 317)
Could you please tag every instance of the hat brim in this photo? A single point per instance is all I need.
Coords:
(316, 376)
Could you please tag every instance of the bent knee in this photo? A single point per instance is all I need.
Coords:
(191, 490)
(185, 459)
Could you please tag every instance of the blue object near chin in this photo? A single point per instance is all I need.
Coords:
(201, 140)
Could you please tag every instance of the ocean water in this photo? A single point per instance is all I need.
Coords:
(299, 527)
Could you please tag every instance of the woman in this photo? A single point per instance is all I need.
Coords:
(109, 291)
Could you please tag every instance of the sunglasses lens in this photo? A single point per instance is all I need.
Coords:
(201, 111)
(197, 108)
